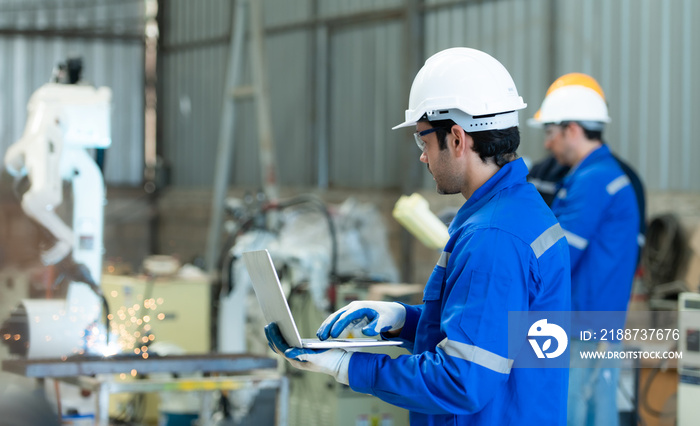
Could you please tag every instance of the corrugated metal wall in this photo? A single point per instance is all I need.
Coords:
(339, 80)
(35, 35)
(365, 103)
(359, 98)
(191, 62)
(645, 55)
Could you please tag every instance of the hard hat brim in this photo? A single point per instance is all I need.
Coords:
(534, 123)
(407, 123)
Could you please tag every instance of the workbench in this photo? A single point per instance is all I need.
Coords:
(101, 375)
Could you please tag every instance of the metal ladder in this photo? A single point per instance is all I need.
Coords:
(260, 92)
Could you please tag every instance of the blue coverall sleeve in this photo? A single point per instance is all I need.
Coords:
(580, 212)
(464, 363)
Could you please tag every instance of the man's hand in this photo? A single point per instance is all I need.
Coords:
(334, 362)
(379, 317)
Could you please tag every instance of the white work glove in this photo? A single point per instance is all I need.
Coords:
(334, 362)
(372, 317)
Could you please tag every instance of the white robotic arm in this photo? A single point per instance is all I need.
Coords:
(37, 155)
(64, 121)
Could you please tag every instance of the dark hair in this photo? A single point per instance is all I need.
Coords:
(499, 144)
(591, 135)
(594, 135)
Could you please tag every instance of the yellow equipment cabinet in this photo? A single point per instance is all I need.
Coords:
(171, 309)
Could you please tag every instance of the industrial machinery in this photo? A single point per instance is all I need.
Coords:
(689, 364)
(65, 122)
(317, 249)
(316, 246)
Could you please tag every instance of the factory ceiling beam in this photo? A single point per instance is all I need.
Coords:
(71, 33)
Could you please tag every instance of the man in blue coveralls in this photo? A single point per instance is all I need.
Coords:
(506, 252)
(597, 208)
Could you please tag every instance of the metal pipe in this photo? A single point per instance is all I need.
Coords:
(415, 37)
(321, 106)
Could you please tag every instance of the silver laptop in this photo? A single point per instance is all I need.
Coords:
(275, 308)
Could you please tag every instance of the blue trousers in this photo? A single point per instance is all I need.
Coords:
(592, 389)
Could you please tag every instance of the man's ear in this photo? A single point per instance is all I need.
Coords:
(574, 129)
(460, 141)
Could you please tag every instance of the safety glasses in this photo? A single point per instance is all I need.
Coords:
(418, 136)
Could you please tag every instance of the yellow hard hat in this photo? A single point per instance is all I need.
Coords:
(574, 96)
(576, 79)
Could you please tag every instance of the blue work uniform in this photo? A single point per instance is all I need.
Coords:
(597, 208)
(506, 252)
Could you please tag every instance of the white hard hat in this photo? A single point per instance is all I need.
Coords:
(460, 84)
(573, 97)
